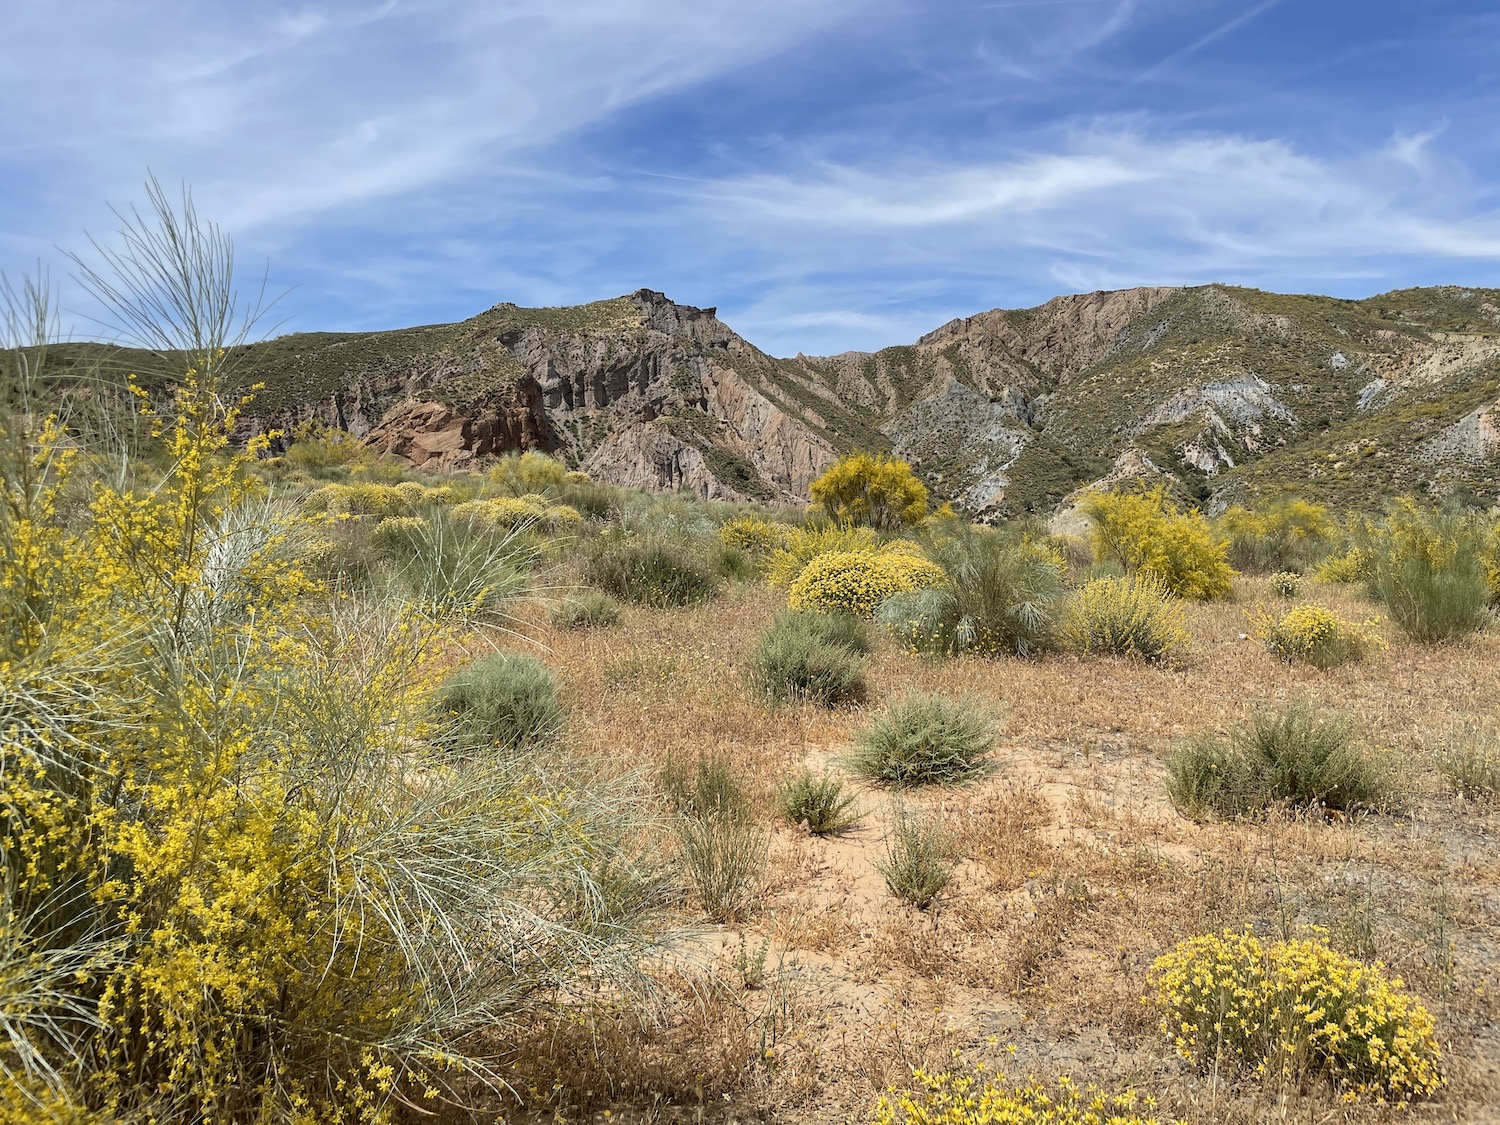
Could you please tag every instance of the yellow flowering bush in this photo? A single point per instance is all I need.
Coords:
(1316, 635)
(871, 490)
(803, 544)
(857, 582)
(1131, 616)
(757, 536)
(1296, 1010)
(1348, 566)
(528, 471)
(505, 512)
(1284, 534)
(1145, 533)
(975, 1097)
(245, 881)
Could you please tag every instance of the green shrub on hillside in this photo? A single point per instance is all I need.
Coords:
(655, 568)
(1291, 756)
(809, 657)
(508, 701)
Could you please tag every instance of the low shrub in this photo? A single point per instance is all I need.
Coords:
(842, 630)
(998, 597)
(808, 657)
(1132, 616)
(1428, 569)
(590, 609)
(1285, 584)
(918, 861)
(856, 583)
(1316, 635)
(1292, 756)
(1470, 762)
(975, 1096)
(655, 568)
(508, 701)
(705, 786)
(803, 544)
(1146, 533)
(1296, 1010)
(924, 740)
(818, 802)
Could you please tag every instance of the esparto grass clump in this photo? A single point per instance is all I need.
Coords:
(653, 568)
(1294, 757)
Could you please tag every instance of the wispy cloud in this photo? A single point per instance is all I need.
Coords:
(831, 173)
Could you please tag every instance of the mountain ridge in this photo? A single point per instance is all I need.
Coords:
(1228, 393)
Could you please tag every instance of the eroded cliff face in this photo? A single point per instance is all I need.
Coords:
(1223, 391)
(640, 391)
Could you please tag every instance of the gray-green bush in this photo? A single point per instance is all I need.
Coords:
(656, 568)
(924, 740)
(807, 657)
(1427, 567)
(589, 609)
(508, 701)
(918, 860)
(817, 801)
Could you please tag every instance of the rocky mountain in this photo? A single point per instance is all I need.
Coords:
(1227, 392)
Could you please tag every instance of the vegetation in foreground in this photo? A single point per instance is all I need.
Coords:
(317, 808)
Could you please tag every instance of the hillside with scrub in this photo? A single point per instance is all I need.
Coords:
(337, 789)
(1225, 394)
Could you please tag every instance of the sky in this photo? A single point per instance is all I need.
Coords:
(831, 174)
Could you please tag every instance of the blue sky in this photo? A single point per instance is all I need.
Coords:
(832, 174)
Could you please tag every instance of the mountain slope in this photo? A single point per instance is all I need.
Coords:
(1228, 392)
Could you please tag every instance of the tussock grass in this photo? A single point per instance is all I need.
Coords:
(1293, 756)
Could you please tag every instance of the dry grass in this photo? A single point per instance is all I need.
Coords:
(1076, 871)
